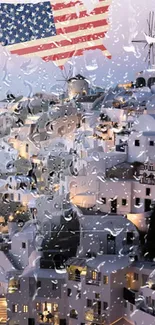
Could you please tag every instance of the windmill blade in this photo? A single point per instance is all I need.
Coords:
(152, 16)
(145, 46)
(139, 41)
(149, 23)
(152, 49)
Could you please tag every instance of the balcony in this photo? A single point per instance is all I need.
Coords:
(74, 277)
(90, 281)
(147, 180)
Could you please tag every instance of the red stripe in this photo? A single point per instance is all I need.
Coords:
(82, 14)
(75, 28)
(69, 54)
(59, 6)
(48, 46)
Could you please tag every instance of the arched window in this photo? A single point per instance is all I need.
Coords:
(151, 82)
(140, 82)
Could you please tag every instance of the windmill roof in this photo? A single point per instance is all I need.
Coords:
(77, 77)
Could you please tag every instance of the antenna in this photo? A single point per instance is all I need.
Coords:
(149, 40)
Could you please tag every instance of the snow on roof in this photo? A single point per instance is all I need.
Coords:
(108, 263)
(36, 272)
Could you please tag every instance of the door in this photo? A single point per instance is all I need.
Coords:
(31, 321)
(113, 205)
(147, 205)
(110, 244)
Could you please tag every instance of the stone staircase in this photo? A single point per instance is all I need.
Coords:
(3, 310)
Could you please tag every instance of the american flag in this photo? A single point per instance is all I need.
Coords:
(56, 30)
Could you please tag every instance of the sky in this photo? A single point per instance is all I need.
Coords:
(128, 21)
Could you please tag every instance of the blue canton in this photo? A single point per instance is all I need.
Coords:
(25, 22)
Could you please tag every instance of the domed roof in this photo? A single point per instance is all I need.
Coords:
(144, 123)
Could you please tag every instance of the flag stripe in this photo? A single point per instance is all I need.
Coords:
(80, 8)
(54, 39)
(74, 53)
(61, 63)
(63, 53)
(62, 5)
(70, 16)
(63, 43)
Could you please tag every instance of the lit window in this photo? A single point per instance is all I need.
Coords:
(38, 306)
(94, 275)
(55, 307)
(105, 279)
(15, 308)
(25, 309)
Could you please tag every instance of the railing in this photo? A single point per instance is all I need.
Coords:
(74, 277)
(147, 181)
(90, 281)
(148, 310)
(99, 318)
(149, 168)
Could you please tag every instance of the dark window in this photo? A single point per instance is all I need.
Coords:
(27, 148)
(148, 191)
(31, 321)
(124, 202)
(105, 305)
(137, 201)
(89, 303)
(140, 82)
(103, 199)
(69, 292)
(79, 294)
(151, 82)
(23, 245)
(136, 276)
(151, 143)
(129, 238)
(38, 284)
(137, 143)
(54, 286)
(125, 304)
(131, 307)
(97, 295)
(73, 314)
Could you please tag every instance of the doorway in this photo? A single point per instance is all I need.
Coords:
(147, 205)
(110, 244)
